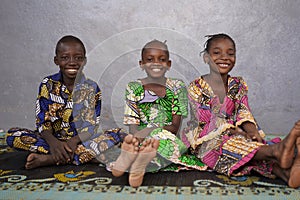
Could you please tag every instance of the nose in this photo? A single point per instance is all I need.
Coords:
(72, 59)
(224, 56)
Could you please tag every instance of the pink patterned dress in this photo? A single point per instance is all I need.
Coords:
(207, 135)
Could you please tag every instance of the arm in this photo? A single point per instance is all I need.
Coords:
(44, 115)
(251, 131)
(59, 150)
(86, 112)
(245, 119)
(86, 109)
(179, 107)
(141, 134)
(174, 127)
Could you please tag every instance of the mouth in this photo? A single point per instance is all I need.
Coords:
(156, 69)
(71, 70)
(223, 65)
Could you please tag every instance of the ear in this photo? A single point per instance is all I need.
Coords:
(169, 63)
(55, 60)
(141, 64)
(206, 58)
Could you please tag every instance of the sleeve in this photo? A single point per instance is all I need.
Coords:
(180, 102)
(133, 93)
(199, 102)
(43, 115)
(87, 108)
(243, 111)
(193, 129)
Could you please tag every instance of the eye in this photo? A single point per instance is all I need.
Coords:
(216, 52)
(149, 59)
(231, 52)
(162, 59)
(79, 58)
(64, 58)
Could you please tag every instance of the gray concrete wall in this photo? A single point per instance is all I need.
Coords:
(266, 33)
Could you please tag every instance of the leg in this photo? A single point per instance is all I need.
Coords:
(35, 160)
(128, 154)
(283, 152)
(294, 180)
(25, 139)
(146, 154)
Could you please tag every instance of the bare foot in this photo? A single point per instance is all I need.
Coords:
(285, 150)
(294, 180)
(129, 152)
(146, 153)
(35, 160)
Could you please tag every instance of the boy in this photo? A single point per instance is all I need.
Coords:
(66, 114)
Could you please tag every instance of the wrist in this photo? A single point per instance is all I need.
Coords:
(76, 139)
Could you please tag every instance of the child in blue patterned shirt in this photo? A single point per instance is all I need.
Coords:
(63, 118)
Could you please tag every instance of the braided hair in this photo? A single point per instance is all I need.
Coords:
(214, 37)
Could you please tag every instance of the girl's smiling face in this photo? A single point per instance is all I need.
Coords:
(221, 56)
(155, 61)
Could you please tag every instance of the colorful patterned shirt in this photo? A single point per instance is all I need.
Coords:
(68, 114)
(146, 109)
(210, 117)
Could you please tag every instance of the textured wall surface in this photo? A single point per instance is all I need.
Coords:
(266, 34)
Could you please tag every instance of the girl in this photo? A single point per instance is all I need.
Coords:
(223, 133)
(154, 108)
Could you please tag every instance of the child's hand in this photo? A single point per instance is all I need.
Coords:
(72, 144)
(252, 131)
(60, 152)
(255, 136)
(252, 135)
(238, 131)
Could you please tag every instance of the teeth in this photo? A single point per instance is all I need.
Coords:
(156, 70)
(72, 70)
(223, 65)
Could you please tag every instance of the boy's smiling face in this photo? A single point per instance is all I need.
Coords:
(155, 61)
(70, 57)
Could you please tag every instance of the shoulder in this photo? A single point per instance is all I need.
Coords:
(197, 88)
(239, 82)
(135, 87)
(51, 79)
(175, 84)
(92, 83)
(134, 84)
(134, 90)
(198, 85)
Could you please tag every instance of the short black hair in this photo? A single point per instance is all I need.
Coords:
(69, 38)
(163, 44)
(211, 38)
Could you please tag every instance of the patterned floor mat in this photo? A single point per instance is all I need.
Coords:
(92, 181)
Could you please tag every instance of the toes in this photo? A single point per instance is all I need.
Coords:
(129, 139)
(136, 142)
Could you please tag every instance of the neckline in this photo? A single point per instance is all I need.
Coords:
(211, 92)
(151, 92)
